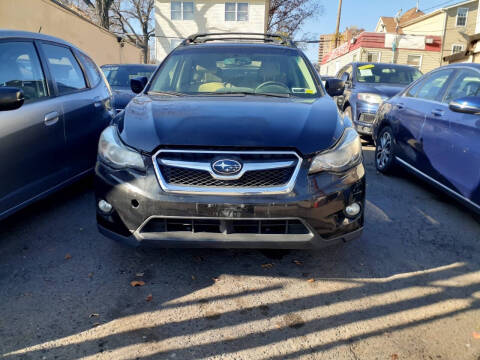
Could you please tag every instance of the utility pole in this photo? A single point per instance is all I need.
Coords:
(337, 31)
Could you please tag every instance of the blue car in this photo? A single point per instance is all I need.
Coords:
(433, 129)
(367, 85)
(119, 76)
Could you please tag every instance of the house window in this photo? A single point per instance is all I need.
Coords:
(236, 11)
(373, 57)
(415, 61)
(462, 16)
(456, 48)
(181, 10)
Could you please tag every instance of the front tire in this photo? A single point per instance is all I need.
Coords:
(384, 151)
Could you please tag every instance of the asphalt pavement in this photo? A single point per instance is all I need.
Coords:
(409, 289)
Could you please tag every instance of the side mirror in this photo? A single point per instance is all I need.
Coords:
(335, 87)
(11, 98)
(138, 84)
(466, 105)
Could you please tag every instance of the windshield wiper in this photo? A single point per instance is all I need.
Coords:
(286, 95)
(242, 93)
(213, 93)
(169, 93)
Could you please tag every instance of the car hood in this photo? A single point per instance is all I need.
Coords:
(387, 90)
(307, 125)
(121, 97)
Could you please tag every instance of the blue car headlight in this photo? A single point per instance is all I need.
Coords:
(371, 98)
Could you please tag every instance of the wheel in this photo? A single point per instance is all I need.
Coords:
(384, 151)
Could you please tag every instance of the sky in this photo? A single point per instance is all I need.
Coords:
(362, 13)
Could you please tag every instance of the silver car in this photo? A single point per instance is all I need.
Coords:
(54, 103)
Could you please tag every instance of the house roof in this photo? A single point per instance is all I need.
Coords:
(389, 24)
(411, 14)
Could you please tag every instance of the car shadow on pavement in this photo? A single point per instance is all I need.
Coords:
(66, 291)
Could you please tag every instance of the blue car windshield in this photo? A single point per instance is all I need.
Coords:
(227, 70)
(386, 74)
(120, 76)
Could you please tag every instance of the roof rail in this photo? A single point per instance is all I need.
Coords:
(229, 36)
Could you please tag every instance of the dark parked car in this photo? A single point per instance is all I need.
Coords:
(433, 129)
(54, 103)
(231, 144)
(119, 76)
(367, 85)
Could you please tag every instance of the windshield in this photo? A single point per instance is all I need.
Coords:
(386, 74)
(120, 76)
(229, 70)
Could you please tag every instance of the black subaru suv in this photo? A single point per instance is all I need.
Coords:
(232, 143)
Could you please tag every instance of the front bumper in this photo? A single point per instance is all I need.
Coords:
(364, 117)
(318, 202)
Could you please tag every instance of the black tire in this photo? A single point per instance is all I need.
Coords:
(385, 151)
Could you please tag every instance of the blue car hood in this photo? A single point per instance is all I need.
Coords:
(121, 97)
(388, 90)
(307, 125)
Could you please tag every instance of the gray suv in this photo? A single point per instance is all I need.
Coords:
(54, 103)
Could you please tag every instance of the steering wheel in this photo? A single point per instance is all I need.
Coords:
(272, 83)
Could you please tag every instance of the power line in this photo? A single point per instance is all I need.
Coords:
(438, 5)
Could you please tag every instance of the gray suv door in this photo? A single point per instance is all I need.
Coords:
(32, 138)
(83, 106)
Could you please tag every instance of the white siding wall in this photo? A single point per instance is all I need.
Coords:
(209, 16)
(430, 59)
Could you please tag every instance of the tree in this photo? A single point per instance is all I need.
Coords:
(135, 21)
(288, 16)
(102, 8)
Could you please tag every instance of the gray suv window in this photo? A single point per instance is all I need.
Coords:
(20, 68)
(91, 70)
(65, 70)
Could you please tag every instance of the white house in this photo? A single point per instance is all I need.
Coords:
(176, 20)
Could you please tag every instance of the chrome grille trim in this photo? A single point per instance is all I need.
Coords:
(216, 190)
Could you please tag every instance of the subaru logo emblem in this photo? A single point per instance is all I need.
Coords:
(226, 167)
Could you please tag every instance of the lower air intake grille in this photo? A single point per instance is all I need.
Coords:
(367, 118)
(218, 226)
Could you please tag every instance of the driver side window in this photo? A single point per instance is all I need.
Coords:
(431, 88)
(347, 75)
(466, 84)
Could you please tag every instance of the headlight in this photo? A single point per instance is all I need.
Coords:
(346, 154)
(370, 98)
(112, 151)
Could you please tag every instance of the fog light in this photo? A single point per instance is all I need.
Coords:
(104, 206)
(353, 210)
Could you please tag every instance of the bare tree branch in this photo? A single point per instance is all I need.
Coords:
(288, 16)
(135, 21)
